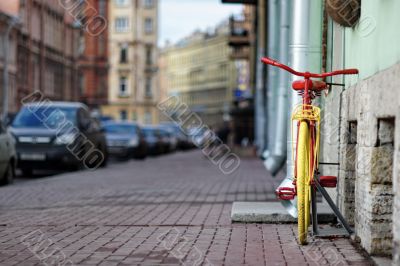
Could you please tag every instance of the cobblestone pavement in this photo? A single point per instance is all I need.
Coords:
(168, 210)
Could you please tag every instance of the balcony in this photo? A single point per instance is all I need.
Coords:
(240, 52)
(151, 69)
(239, 32)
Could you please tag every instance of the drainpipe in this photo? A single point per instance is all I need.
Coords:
(259, 92)
(13, 21)
(275, 161)
(299, 61)
(272, 73)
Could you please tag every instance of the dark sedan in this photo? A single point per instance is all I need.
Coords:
(58, 135)
(183, 140)
(154, 140)
(125, 140)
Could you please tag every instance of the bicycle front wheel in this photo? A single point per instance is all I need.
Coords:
(303, 181)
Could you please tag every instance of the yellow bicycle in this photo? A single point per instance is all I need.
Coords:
(306, 151)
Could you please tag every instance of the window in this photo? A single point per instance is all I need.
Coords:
(82, 83)
(122, 24)
(148, 92)
(148, 25)
(124, 54)
(148, 3)
(122, 2)
(149, 55)
(123, 115)
(102, 8)
(123, 86)
(148, 117)
(134, 116)
(81, 45)
(102, 42)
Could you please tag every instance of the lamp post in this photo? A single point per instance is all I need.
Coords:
(12, 22)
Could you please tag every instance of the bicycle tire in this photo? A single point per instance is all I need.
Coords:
(302, 182)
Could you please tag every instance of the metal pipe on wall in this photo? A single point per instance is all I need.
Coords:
(299, 60)
(272, 74)
(260, 78)
(275, 162)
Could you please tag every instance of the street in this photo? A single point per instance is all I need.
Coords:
(169, 210)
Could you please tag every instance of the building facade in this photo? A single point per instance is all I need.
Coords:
(48, 50)
(242, 41)
(93, 60)
(200, 72)
(9, 34)
(360, 114)
(364, 117)
(132, 76)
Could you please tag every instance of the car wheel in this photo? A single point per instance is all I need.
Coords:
(8, 177)
(84, 165)
(79, 166)
(105, 160)
(141, 154)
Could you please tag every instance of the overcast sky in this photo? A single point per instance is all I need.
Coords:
(179, 18)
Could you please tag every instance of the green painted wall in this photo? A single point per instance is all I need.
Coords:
(374, 43)
(314, 52)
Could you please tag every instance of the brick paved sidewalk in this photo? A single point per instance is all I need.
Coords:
(169, 210)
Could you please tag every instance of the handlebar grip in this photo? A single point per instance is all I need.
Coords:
(352, 71)
(268, 61)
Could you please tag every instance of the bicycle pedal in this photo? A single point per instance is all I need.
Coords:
(285, 193)
(328, 181)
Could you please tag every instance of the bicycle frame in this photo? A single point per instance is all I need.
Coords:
(307, 112)
(306, 86)
(308, 75)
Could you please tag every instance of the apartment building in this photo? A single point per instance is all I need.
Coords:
(93, 60)
(242, 41)
(132, 80)
(8, 36)
(48, 50)
(198, 70)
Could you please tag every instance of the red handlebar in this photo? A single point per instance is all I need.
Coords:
(272, 62)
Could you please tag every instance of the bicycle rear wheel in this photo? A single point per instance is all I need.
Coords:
(303, 182)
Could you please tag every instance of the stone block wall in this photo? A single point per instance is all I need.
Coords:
(396, 189)
(369, 157)
(347, 167)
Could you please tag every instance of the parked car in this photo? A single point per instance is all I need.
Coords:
(169, 139)
(60, 135)
(182, 139)
(104, 119)
(196, 135)
(125, 140)
(8, 157)
(165, 140)
(155, 144)
(9, 119)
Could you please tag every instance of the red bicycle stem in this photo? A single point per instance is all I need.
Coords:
(308, 75)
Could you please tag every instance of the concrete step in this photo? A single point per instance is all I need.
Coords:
(273, 212)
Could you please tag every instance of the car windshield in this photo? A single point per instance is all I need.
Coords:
(148, 132)
(120, 129)
(51, 117)
(164, 133)
(196, 131)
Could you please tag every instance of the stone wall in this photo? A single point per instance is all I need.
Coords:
(368, 189)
